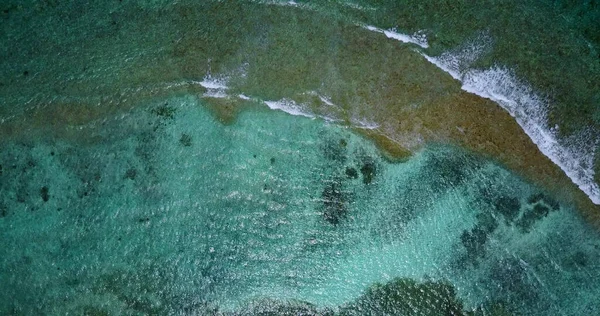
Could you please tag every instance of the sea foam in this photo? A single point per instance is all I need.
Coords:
(365, 124)
(418, 39)
(290, 107)
(216, 87)
(209, 82)
(574, 155)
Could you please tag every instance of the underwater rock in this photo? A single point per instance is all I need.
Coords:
(368, 171)
(447, 170)
(165, 114)
(164, 111)
(538, 206)
(29, 165)
(21, 195)
(580, 258)
(185, 140)
(334, 203)
(269, 307)
(535, 198)
(406, 297)
(493, 309)
(351, 173)
(94, 311)
(90, 176)
(200, 308)
(44, 193)
(509, 207)
(335, 150)
(486, 221)
(543, 198)
(474, 241)
(145, 290)
(130, 174)
(531, 216)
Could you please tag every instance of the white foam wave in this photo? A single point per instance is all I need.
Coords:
(358, 6)
(209, 82)
(323, 98)
(293, 108)
(290, 107)
(446, 68)
(574, 155)
(418, 39)
(219, 94)
(456, 62)
(216, 87)
(364, 124)
(326, 100)
(291, 3)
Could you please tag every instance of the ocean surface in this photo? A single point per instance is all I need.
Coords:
(426, 157)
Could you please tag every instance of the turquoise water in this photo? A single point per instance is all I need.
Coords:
(172, 212)
(182, 158)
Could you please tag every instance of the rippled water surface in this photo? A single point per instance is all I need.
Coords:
(295, 158)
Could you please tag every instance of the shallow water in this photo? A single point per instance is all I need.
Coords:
(165, 158)
(173, 210)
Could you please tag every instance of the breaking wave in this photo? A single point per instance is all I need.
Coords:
(574, 155)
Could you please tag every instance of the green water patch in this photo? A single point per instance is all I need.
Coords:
(170, 211)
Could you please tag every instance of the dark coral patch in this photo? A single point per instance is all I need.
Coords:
(580, 258)
(474, 241)
(351, 173)
(335, 150)
(185, 140)
(509, 207)
(535, 198)
(368, 171)
(44, 193)
(268, 307)
(130, 174)
(540, 197)
(334, 203)
(531, 216)
(406, 297)
(164, 111)
(448, 170)
(486, 221)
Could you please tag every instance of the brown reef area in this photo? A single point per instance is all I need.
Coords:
(82, 81)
